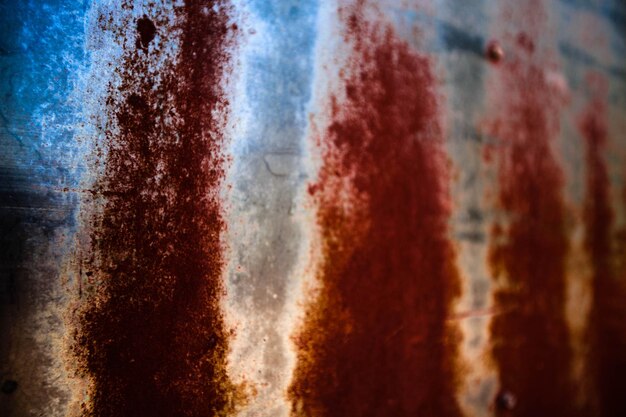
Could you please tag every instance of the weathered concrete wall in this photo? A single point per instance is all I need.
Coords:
(396, 208)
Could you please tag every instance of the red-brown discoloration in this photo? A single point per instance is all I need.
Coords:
(606, 327)
(376, 342)
(153, 340)
(528, 250)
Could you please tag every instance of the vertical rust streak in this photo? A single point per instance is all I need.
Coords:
(153, 340)
(376, 342)
(607, 328)
(528, 250)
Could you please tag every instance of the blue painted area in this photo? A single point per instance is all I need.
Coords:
(280, 74)
(449, 37)
(41, 57)
(614, 12)
(454, 38)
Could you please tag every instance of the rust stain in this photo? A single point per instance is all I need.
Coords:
(607, 329)
(152, 339)
(527, 254)
(377, 340)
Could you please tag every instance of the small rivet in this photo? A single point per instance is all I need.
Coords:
(506, 400)
(494, 52)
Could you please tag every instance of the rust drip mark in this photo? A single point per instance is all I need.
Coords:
(377, 341)
(153, 340)
(607, 328)
(528, 251)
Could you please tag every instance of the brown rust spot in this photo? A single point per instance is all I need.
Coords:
(152, 340)
(146, 30)
(607, 329)
(377, 341)
(527, 252)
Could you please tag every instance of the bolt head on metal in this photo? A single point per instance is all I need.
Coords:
(506, 400)
(494, 51)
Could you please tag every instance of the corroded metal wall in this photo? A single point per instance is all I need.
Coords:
(359, 208)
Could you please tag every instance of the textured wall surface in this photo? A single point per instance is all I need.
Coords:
(312, 208)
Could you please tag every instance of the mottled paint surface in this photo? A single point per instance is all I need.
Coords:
(376, 340)
(286, 208)
(151, 338)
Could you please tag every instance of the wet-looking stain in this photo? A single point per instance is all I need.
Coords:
(376, 340)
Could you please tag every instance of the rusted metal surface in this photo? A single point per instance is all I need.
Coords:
(529, 237)
(250, 208)
(150, 336)
(378, 325)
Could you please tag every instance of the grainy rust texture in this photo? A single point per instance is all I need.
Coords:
(376, 341)
(293, 208)
(152, 340)
(607, 327)
(529, 245)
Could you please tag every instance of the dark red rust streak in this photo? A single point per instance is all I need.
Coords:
(527, 254)
(377, 341)
(153, 340)
(606, 328)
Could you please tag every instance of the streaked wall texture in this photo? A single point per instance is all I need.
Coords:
(285, 208)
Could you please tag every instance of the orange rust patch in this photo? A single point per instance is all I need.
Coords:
(527, 252)
(607, 329)
(377, 341)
